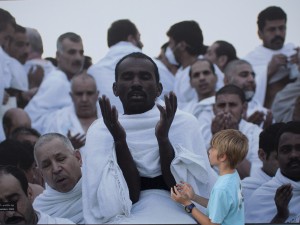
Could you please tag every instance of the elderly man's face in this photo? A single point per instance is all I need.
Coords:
(59, 165)
(12, 192)
(289, 155)
(70, 59)
(136, 85)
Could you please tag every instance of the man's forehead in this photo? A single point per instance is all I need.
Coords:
(136, 64)
(228, 98)
(289, 138)
(52, 148)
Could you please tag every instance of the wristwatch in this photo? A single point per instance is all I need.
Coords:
(189, 208)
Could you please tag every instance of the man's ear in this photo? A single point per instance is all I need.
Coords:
(30, 193)
(245, 108)
(77, 155)
(182, 45)
(260, 34)
(261, 154)
(159, 89)
(214, 109)
(222, 60)
(115, 89)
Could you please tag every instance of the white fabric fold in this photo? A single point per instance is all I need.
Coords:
(46, 219)
(64, 205)
(105, 192)
(261, 207)
(53, 94)
(250, 184)
(259, 59)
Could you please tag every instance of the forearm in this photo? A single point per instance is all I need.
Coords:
(166, 156)
(200, 217)
(128, 167)
(279, 218)
(200, 200)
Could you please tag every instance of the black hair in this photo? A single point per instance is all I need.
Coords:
(17, 154)
(17, 173)
(119, 31)
(270, 13)
(227, 49)
(5, 19)
(267, 138)
(137, 55)
(191, 33)
(232, 89)
(291, 127)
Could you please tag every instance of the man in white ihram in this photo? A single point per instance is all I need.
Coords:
(131, 161)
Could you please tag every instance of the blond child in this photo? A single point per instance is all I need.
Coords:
(225, 205)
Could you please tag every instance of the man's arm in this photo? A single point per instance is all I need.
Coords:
(124, 157)
(162, 128)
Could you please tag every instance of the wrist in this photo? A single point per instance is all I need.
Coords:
(189, 208)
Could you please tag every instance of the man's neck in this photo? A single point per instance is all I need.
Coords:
(86, 122)
(187, 60)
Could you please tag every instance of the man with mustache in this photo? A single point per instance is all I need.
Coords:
(60, 165)
(53, 93)
(131, 161)
(274, 62)
(278, 200)
(15, 200)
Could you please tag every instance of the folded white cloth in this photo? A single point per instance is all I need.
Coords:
(250, 184)
(261, 208)
(65, 205)
(53, 94)
(259, 59)
(46, 219)
(105, 192)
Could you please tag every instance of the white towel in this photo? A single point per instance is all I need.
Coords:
(105, 192)
(65, 205)
(261, 207)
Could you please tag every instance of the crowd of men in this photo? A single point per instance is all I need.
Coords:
(102, 143)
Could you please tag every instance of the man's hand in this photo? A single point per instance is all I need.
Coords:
(257, 118)
(166, 116)
(276, 62)
(282, 198)
(223, 121)
(35, 76)
(78, 140)
(110, 118)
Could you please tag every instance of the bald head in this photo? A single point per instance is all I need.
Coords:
(14, 118)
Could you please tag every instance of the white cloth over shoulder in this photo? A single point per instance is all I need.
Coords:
(65, 120)
(104, 70)
(250, 184)
(65, 205)
(45, 64)
(105, 192)
(13, 72)
(284, 102)
(182, 87)
(261, 207)
(167, 79)
(53, 94)
(259, 59)
(46, 219)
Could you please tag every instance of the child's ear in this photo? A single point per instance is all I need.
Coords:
(222, 157)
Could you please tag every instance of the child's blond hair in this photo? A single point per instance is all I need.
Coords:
(232, 143)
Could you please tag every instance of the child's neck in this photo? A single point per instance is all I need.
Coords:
(225, 169)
